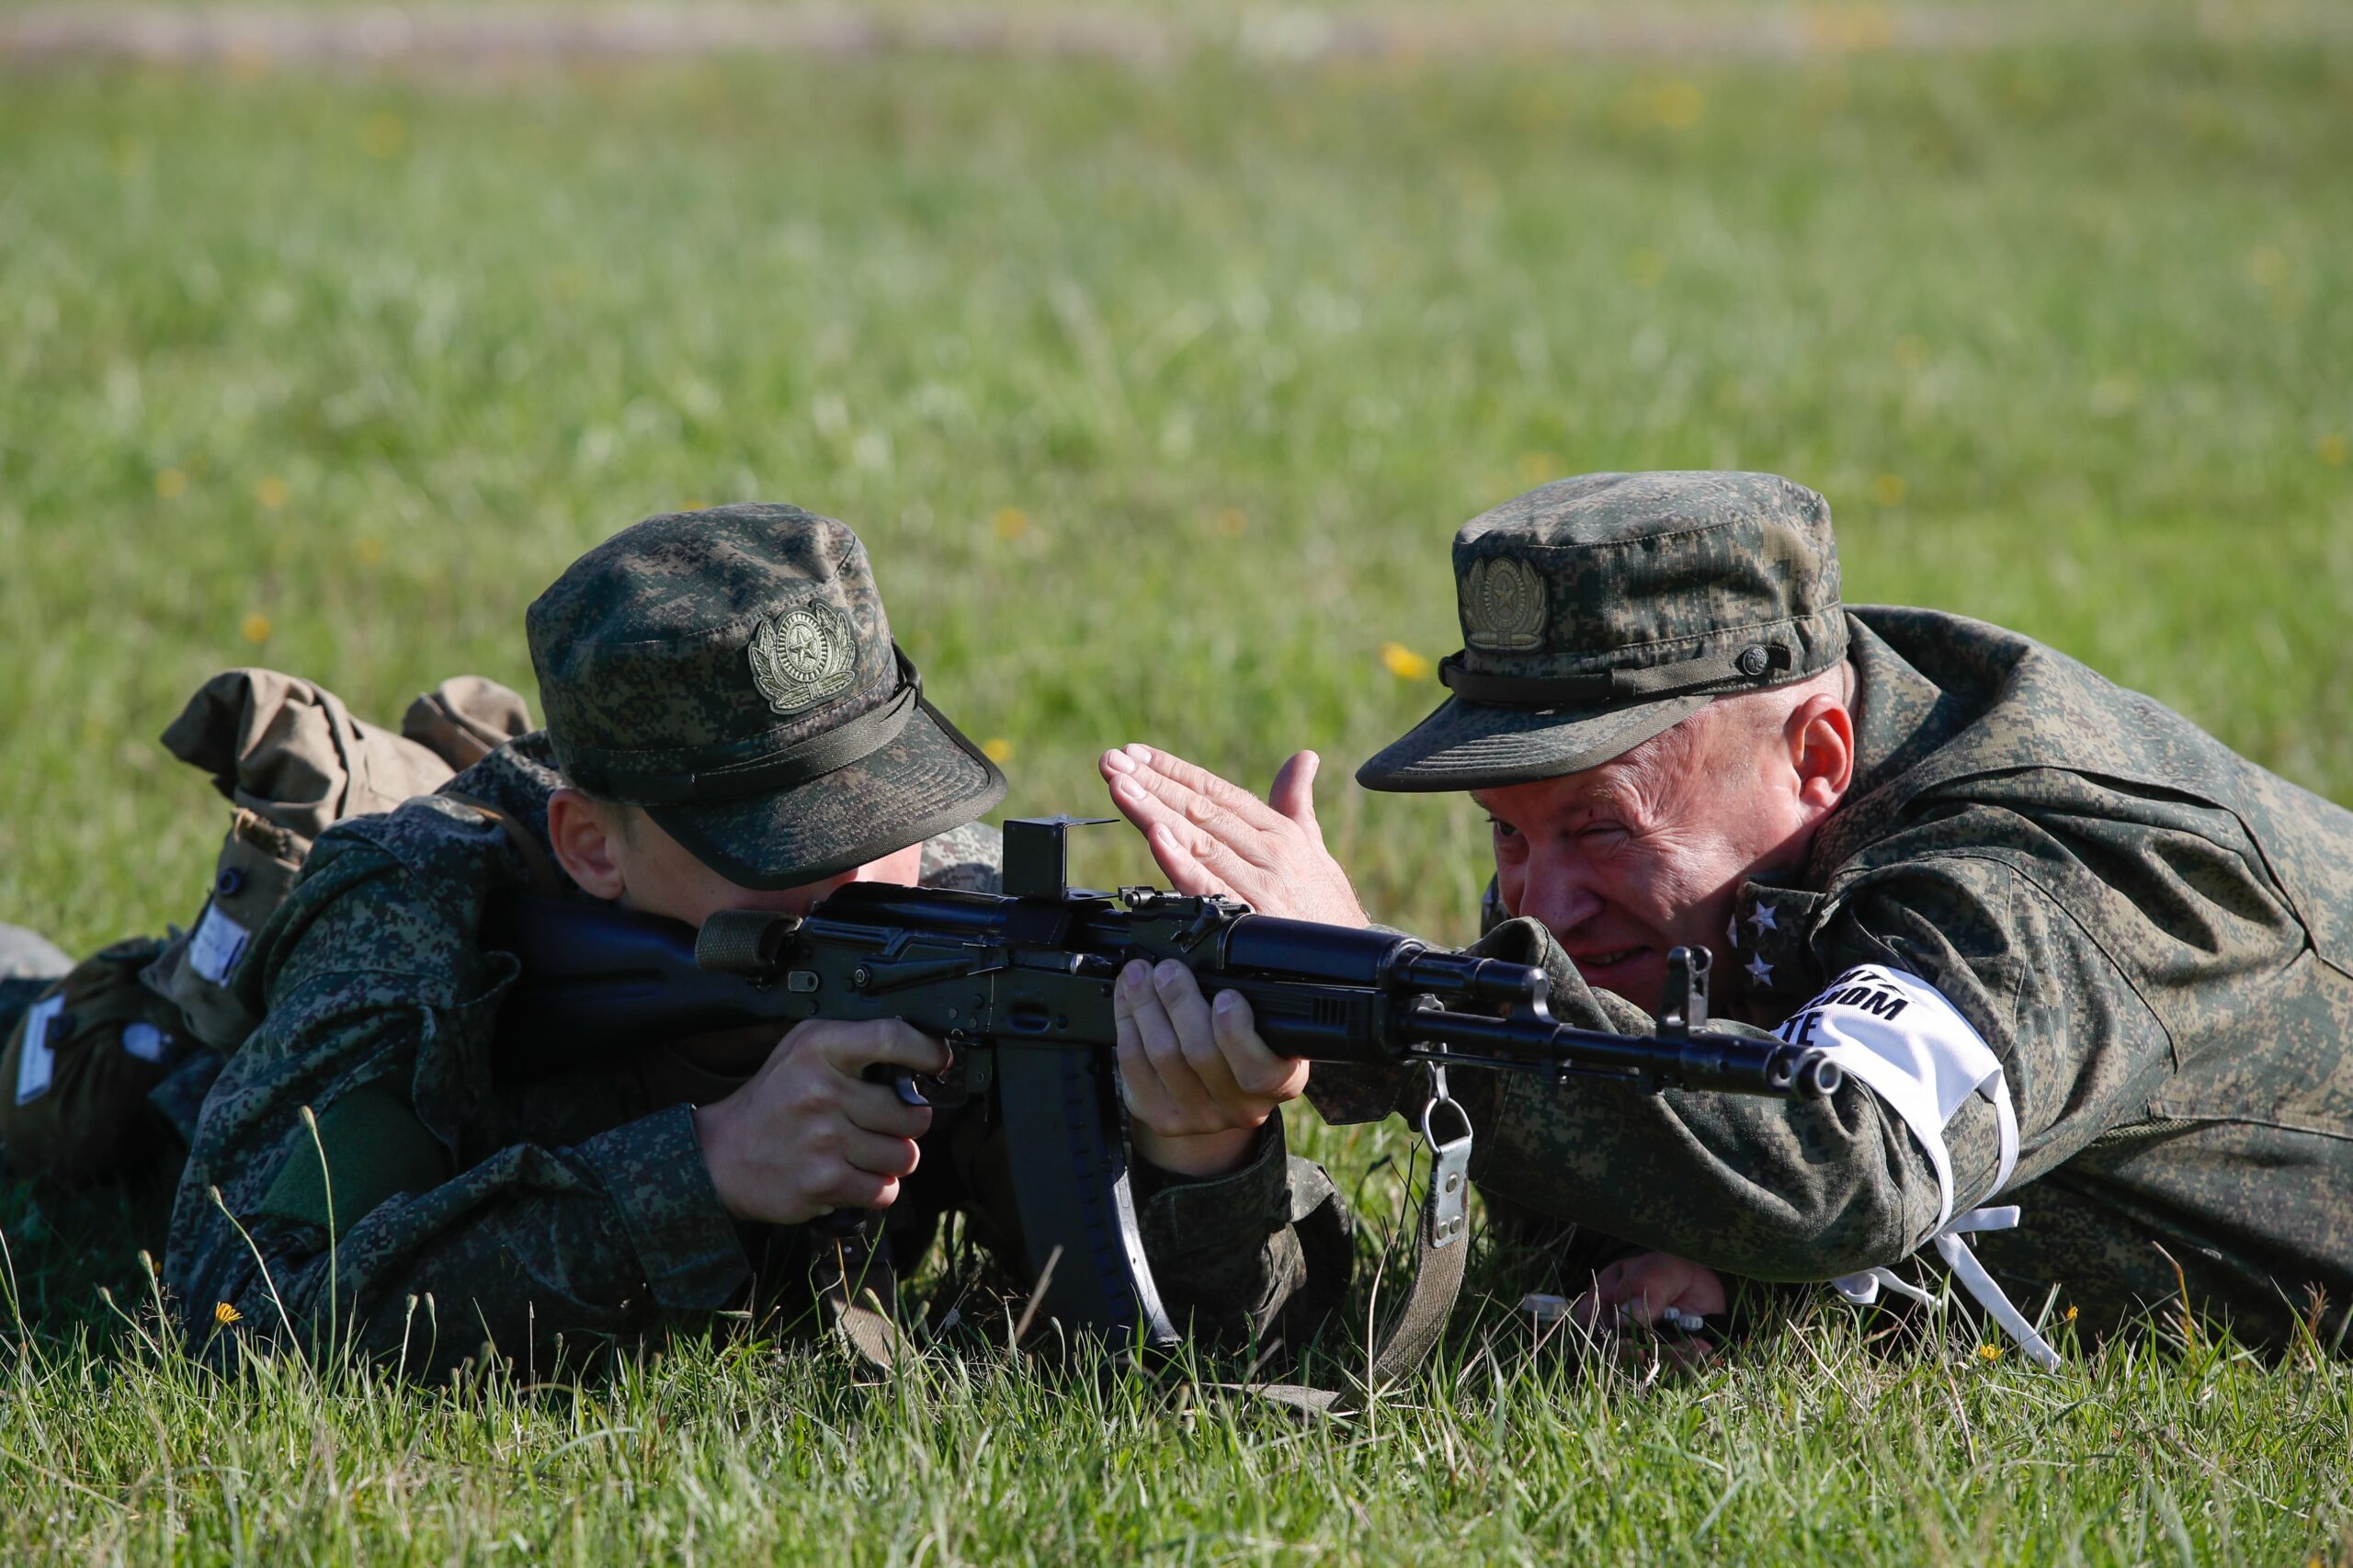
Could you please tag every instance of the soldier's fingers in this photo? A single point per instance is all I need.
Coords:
(1140, 1088)
(877, 1107)
(1255, 1066)
(1163, 768)
(878, 1155)
(1207, 861)
(853, 1047)
(1127, 994)
(1259, 837)
(1159, 826)
(1188, 1015)
(1294, 791)
(854, 1188)
(1164, 1050)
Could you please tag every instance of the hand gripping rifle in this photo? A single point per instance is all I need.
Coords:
(1019, 985)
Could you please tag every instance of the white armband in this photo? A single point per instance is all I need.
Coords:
(1898, 1035)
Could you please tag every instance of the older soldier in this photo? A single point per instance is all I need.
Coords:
(2077, 959)
(729, 725)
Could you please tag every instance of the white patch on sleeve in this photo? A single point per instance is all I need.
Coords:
(37, 1066)
(1896, 1033)
(216, 946)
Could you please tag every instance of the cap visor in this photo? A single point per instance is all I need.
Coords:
(928, 780)
(1470, 745)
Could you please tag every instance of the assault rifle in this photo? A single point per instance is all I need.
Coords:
(1019, 985)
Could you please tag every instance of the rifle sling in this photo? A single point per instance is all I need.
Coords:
(544, 880)
(854, 1283)
(1441, 1245)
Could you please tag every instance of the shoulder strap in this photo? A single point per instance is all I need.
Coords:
(1441, 1244)
(857, 1289)
(854, 1279)
(547, 880)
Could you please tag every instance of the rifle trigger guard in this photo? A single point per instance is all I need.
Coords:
(1447, 1204)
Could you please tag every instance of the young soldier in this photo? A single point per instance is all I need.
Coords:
(2073, 953)
(729, 725)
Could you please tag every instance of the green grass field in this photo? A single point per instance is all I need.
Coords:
(1157, 395)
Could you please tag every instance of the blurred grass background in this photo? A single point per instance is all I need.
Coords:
(1158, 393)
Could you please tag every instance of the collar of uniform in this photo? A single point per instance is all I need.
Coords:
(1901, 718)
(1765, 954)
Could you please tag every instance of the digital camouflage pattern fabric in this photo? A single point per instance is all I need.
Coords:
(1600, 610)
(733, 670)
(468, 1211)
(2155, 936)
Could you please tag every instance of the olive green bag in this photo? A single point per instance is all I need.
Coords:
(292, 761)
(112, 1060)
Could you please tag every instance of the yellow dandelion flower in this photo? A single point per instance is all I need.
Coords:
(2330, 450)
(224, 1314)
(271, 493)
(997, 749)
(2071, 1314)
(1989, 1352)
(256, 628)
(1231, 523)
(1404, 663)
(170, 481)
(1677, 105)
(1888, 490)
(1010, 522)
(369, 549)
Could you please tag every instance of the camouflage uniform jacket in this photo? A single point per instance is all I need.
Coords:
(2153, 937)
(471, 1210)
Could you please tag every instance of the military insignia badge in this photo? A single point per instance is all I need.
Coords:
(800, 657)
(1503, 604)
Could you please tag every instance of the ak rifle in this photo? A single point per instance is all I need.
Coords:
(1019, 985)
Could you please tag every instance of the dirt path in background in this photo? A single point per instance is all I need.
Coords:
(246, 37)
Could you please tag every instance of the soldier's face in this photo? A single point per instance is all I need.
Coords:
(622, 855)
(665, 878)
(661, 877)
(1646, 853)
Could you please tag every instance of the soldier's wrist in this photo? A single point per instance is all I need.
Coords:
(1196, 1155)
(714, 1133)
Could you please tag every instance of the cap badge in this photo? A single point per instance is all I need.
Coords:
(800, 657)
(1503, 604)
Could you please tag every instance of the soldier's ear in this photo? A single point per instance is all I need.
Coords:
(584, 837)
(1821, 736)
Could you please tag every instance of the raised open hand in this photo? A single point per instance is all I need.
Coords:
(1210, 837)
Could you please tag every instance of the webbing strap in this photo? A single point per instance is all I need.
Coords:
(1441, 1247)
(739, 770)
(857, 1287)
(855, 1282)
(1752, 665)
(547, 880)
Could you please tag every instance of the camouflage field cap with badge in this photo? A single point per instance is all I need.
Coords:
(731, 672)
(1601, 610)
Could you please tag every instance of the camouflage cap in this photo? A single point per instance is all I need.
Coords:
(732, 671)
(1601, 610)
